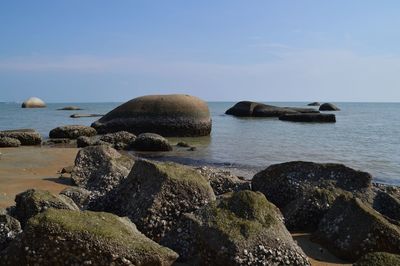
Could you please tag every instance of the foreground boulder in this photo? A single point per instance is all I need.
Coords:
(100, 169)
(63, 237)
(167, 115)
(378, 259)
(72, 132)
(151, 142)
(312, 118)
(9, 229)
(25, 136)
(34, 201)
(351, 229)
(242, 228)
(304, 191)
(9, 142)
(33, 102)
(79, 195)
(328, 107)
(154, 195)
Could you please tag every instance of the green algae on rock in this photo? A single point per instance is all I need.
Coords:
(378, 259)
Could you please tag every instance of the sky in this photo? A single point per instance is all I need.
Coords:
(226, 50)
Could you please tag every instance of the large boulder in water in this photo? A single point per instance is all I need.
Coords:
(167, 115)
(328, 107)
(33, 102)
(72, 132)
(64, 237)
(25, 136)
(304, 191)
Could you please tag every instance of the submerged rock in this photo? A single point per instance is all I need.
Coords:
(64, 237)
(151, 142)
(328, 107)
(314, 104)
(72, 132)
(85, 115)
(304, 191)
(313, 118)
(154, 195)
(167, 115)
(378, 259)
(69, 108)
(241, 228)
(33, 102)
(351, 229)
(25, 136)
(9, 142)
(9, 229)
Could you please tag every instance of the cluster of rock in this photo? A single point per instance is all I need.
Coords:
(18, 137)
(293, 114)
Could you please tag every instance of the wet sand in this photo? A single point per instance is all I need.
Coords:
(32, 167)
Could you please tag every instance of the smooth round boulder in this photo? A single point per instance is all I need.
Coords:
(151, 142)
(33, 102)
(72, 132)
(328, 107)
(9, 142)
(175, 115)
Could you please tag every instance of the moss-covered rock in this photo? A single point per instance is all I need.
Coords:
(378, 259)
(241, 228)
(351, 229)
(304, 191)
(154, 195)
(72, 132)
(63, 237)
(34, 201)
(9, 229)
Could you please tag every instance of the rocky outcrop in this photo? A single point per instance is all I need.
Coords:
(350, 229)
(79, 195)
(34, 201)
(378, 259)
(151, 142)
(25, 136)
(328, 107)
(69, 108)
(314, 104)
(223, 181)
(72, 132)
(248, 109)
(63, 237)
(304, 191)
(100, 169)
(9, 229)
(167, 115)
(241, 228)
(154, 195)
(121, 140)
(9, 142)
(310, 118)
(33, 102)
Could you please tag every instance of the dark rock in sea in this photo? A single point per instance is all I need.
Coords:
(121, 140)
(100, 169)
(183, 144)
(151, 142)
(69, 108)
(167, 115)
(351, 229)
(72, 132)
(34, 201)
(304, 191)
(79, 195)
(85, 115)
(9, 229)
(155, 195)
(378, 259)
(312, 118)
(314, 104)
(9, 142)
(25, 136)
(64, 237)
(241, 228)
(249, 109)
(33, 102)
(328, 107)
(223, 181)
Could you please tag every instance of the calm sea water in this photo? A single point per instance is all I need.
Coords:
(365, 137)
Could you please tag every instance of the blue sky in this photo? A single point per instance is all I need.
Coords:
(78, 51)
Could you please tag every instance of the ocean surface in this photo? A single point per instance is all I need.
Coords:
(365, 137)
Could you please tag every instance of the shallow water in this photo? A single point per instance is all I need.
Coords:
(365, 137)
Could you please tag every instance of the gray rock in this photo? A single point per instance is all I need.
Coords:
(167, 115)
(311, 118)
(9, 229)
(85, 115)
(151, 142)
(79, 195)
(121, 140)
(328, 107)
(378, 259)
(314, 104)
(25, 136)
(64, 237)
(72, 132)
(69, 108)
(9, 142)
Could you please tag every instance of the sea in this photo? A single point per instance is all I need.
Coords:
(365, 137)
